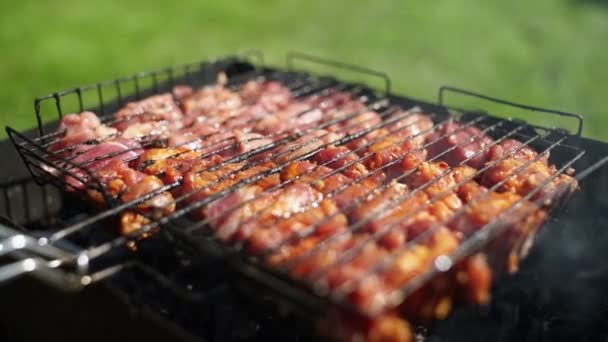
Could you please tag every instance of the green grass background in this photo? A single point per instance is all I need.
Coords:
(551, 53)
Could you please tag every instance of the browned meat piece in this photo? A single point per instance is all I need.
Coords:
(354, 118)
(91, 158)
(200, 185)
(329, 103)
(348, 162)
(288, 201)
(324, 216)
(441, 183)
(305, 264)
(482, 210)
(226, 214)
(361, 144)
(469, 282)
(302, 168)
(272, 96)
(79, 128)
(470, 190)
(515, 149)
(354, 193)
(296, 117)
(356, 267)
(396, 211)
(416, 127)
(227, 143)
(341, 189)
(304, 145)
(170, 164)
(391, 149)
(194, 136)
(474, 278)
(452, 134)
(520, 224)
(437, 177)
(307, 258)
(126, 184)
(372, 292)
(122, 182)
(213, 102)
(154, 108)
(523, 180)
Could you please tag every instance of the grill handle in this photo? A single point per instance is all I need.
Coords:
(292, 56)
(444, 89)
(36, 256)
(45, 261)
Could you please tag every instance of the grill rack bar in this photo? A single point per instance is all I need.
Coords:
(59, 108)
(445, 89)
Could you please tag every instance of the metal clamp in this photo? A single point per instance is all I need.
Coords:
(443, 89)
(41, 259)
(45, 261)
(32, 254)
(293, 56)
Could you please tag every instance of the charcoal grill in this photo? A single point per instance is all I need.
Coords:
(82, 255)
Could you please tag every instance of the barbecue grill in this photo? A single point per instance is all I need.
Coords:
(59, 239)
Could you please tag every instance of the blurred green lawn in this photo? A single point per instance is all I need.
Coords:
(549, 53)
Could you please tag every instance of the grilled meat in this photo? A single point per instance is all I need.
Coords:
(352, 203)
(515, 149)
(415, 126)
(463, 142)
(79, 128)
(394, 155)
(200, 185)
(157, 108)
(348, 163)
(324, 216)
(516, 175)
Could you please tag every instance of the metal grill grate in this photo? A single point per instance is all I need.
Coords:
(54, 166)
